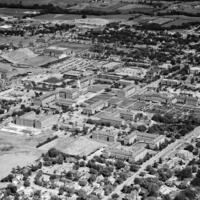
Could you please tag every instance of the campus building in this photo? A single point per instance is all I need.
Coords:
(107, 135)
(33, 120)
(91, 109)
(152, 140)
(45, 99)
(126, 92)
(68, 93)
(135, 153)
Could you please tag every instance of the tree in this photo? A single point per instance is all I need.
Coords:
(141, 128)
(84, 16)
(185, 173)
(186, 194)
(134, 168)
(119, 164)
(151, 198)
(189, 148)
(11, 189)
(115, 196)
(82, 183)
(153, 189)
(26, 183)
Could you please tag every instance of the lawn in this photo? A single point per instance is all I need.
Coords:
(78, 146)
(18, 150)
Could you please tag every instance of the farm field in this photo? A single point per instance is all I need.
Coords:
(15, 12)
(42, 2)
(50, 17)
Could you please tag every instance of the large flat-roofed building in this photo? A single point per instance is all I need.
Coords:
(127, 115)
(111, 66)
(170, 82)
(130, 139)
(156, 97)
(68, 93)
(152, 140)
(135, 153)
(58, 52)
(107, 78)
(91, 109)
(187, 100)
(33, 120)
(107, 135)
(110, 118)
(127, 91)
(45, 99)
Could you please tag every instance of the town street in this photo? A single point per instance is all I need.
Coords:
(167, 151)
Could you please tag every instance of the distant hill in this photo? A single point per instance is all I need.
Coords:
(42, 2)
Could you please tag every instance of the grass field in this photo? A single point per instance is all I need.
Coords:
(50, 17)
(43, 2)
(77, 146)
(14, 12)
(18, 150)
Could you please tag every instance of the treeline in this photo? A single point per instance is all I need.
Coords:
(157, 27)
(49, 139)
(54, 9)
(177, 12)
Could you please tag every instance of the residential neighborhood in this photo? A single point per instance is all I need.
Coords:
(99, 100)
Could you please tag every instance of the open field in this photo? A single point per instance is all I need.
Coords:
(78, 146)
(73, 46)
(18, 150)
(50, 17)
(42, 2)
(25, 2)
(14, 12)
(11, 160)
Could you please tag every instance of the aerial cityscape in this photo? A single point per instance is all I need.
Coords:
(99, 100)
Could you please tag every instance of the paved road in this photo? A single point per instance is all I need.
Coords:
(164, 153)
